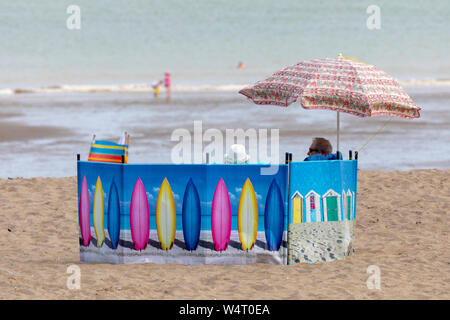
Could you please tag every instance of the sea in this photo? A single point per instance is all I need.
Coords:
(78, 68)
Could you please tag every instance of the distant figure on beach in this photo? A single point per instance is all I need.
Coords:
(167, 84)
(155, 87)
(241, 65)
(320, 149)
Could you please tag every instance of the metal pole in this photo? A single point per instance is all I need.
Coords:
(288, 209)
(338, 128)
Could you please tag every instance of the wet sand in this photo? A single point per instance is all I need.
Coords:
(401, 226)
(43, 132)
(13, 132)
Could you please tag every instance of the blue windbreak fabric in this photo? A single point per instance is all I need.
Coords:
(318, 157)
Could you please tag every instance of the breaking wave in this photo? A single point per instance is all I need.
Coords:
(176, 88)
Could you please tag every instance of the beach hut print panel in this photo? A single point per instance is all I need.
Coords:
(313, 212)
(319, 182)
(348, 205)
(332, 206)
(297, 208)
(353, 205)
(325, 232)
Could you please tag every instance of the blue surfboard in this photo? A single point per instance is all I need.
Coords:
(114, 215)
(274, 217)
(191, 216)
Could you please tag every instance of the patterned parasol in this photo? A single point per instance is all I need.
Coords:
(340, 84)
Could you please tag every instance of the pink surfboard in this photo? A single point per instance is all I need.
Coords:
(139, 216)
(221, 217)
(83, 214)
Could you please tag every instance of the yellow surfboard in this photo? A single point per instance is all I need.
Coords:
(98, 213)
(248, 216)
(166, 216)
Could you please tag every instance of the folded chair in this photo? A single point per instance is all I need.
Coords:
(108, 151)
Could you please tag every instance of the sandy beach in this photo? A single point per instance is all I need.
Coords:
(169, 75)
(401, 227)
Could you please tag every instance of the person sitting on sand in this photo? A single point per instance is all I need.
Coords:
(321, 149)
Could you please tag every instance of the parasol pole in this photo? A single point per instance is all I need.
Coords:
(337, 130)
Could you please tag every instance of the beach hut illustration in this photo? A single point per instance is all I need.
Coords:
(312, 201)
(347, 204)
(354, 206)
(297, 207)
(331, 206)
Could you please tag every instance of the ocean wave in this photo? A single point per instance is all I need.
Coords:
(176, 88)
(120, 88)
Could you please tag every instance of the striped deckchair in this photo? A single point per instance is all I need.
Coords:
(107, 151)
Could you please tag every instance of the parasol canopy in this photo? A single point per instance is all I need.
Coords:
(340, 84)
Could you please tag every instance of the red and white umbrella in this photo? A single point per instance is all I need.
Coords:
(339, 84)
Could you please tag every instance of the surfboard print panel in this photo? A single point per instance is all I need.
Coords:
(274, 217)
(166, 216)
(191, 216)
(114, 215)
(221, 217)
(83, 214)
(98, 213)
(247, 216)
(139, 216)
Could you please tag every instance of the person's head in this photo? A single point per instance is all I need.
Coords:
(320, 146)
